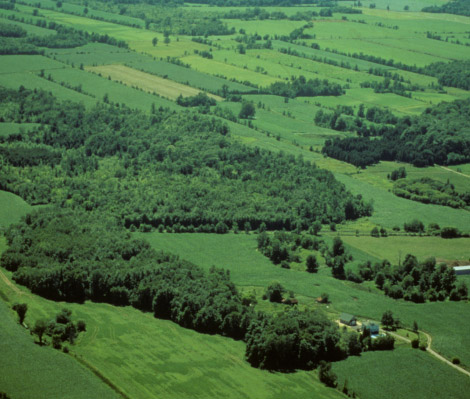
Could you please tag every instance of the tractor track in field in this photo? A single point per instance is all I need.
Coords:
(10, 285)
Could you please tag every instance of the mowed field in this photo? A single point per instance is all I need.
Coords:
(12, 208)
(142, 356)
(145, 81)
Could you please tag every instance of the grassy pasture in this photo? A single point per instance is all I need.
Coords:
(12, 208)
(119, 93)
(403, 373)
(395, 248)
(354, 97)
(266, 27)
(390, 210)
(29, 371)
(221, 69)
(147, 82)
(362, 65)
(161, 359)
(248, 268)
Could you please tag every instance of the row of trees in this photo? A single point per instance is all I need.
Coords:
(301, 87)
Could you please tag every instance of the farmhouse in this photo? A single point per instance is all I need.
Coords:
(461, 270)
(372, 327)
(290, 301)
(348, 319)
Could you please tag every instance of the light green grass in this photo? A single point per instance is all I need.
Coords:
(402, 373)
(29, 371)
(12, 208)
(161, 359)
(27, 63)
(248, 268)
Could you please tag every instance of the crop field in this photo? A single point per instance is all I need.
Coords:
(27, 63)
(161, 358)
(249, 268)
(30, 371)
(147, 82)
(403, 373)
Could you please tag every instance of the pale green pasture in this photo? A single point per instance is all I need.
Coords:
(321, 70)
(394, 248)
(266, 27)
(273, 67)
(362, 65)
(390, 210)
(226, 71)
(117, 92)
(355, 97)
(384, 50)
(464, 168)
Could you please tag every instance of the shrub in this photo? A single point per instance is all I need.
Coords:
(415, 343)
(455, 360)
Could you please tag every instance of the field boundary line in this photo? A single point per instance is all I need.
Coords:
(454, 171)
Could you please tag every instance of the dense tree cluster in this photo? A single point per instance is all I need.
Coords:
(179, 173)
(458, 7)
(430, 191)
(301, 87)
(415, 281)
(200, 99)
(389, 86)
(293, 340)
(439, 135)
(454, 74)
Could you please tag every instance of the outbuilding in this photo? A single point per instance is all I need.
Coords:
(461, 270)
(348, 319)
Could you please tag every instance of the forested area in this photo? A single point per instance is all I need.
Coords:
(74, 255)
(458, 7)
(438, 136)
(415, 281)
(161, 171)
(301, 87)
(453, 74)
(430, 191)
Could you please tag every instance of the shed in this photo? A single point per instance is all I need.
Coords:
(461, 270)
(348, 319)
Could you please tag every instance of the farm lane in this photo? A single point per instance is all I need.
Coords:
(431, 351)
(11, 285)
(454, 171)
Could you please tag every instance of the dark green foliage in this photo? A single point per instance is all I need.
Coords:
(337, 257)
(458, 7)
(415, 226)
(312, 264)
(247, 111)
(375, 232)
(9, 30)
(415, 343)
(422, 140)
(382, 343)
(39, 329)
(292, 340)
(430, 191)
(326, 375)
(201, 99)
(167, 169)
(415, 281)
(450, 232)
(274, 292)
(300, 87)
(388, 320)
(20, 309)
(454, 74)
(399, 173)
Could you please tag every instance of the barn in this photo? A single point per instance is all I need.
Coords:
(348, 319)
(462, 270)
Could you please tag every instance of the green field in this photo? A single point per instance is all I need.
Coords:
(403, 373)
(161, 358)
(30, 371)
(12, 208)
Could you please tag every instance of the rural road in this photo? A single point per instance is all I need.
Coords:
(454, 171)
(432, 352)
